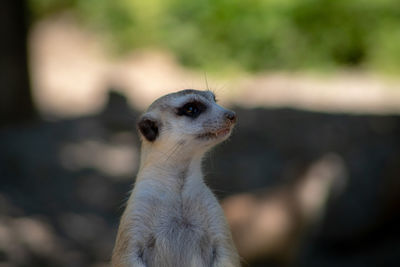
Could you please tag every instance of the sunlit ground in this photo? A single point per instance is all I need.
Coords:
(71, 72)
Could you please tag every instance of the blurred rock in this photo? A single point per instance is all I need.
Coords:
(270, 224)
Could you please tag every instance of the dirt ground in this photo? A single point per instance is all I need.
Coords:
(64, 184)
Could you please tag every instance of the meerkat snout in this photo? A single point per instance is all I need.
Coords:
(231, 116)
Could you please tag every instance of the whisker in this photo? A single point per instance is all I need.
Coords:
(206, 80)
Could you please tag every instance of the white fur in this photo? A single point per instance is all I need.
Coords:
(172, 218)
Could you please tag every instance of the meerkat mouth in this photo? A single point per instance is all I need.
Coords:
(216, 134)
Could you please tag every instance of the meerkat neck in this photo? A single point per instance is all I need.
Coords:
(157, 164)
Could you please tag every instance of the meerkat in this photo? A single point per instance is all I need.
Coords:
(172, 218)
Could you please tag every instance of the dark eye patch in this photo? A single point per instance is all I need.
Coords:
(213, 96)
(191, 109)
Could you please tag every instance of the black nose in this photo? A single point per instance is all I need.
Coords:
(230, 115)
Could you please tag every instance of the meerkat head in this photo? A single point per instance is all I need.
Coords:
(190, 118)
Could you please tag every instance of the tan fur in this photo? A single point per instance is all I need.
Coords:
(172, 218)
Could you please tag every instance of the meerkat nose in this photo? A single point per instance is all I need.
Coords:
(230, 115)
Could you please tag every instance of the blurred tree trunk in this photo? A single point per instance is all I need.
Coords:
(15, 95)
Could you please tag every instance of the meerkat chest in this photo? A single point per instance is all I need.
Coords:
(184, 205)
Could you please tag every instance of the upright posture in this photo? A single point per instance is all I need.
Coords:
(172, 218)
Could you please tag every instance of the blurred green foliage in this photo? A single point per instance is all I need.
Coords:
(253, 35)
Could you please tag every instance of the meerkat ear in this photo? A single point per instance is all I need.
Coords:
(148, 127)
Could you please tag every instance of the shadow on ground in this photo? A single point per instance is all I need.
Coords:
(63, 184)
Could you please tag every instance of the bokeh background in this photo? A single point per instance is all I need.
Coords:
(310, 176)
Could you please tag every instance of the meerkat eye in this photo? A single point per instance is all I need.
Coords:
(191, 109)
